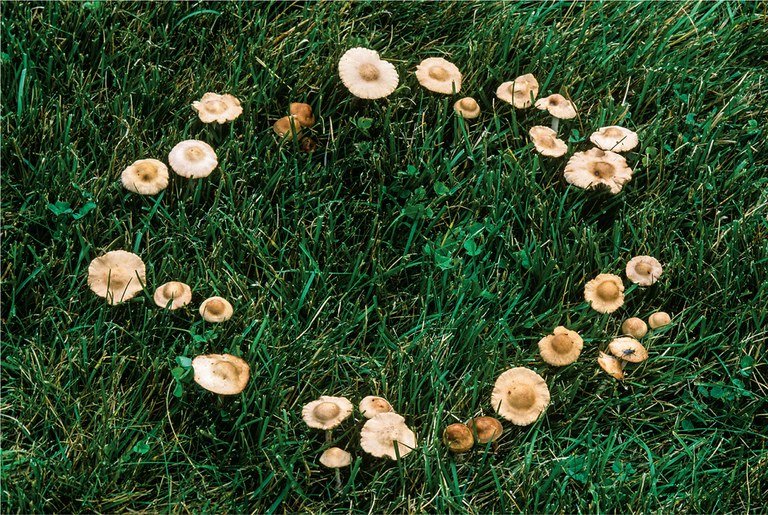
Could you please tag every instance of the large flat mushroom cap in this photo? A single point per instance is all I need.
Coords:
(520, 395)
(387, 435)
(614, 138)
(193, 159)
(117, 276)
(145, 177)
(366, 75)
(224, 374)
(605, 293)
(326, 412)
(217, 108)
(597, 168)
(438, 75)
(562, 347)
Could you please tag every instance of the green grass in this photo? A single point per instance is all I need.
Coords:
(416, 259)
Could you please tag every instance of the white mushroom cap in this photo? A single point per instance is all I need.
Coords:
(193, 159)
(611, 365)
(117, 276)
(614, 138)
(438, 75)
(546, 141)
(224, 374)
(596, 168)
(326, 412)
(145, 177)
(659, 319)
(366, 75)
(562, 347)
(520, 91)
(520, 395)
(644, 270)
(217, 108)
(386, 434)
(175, 292)
(558, 106)
(605, 293)
(628, 349)
(216, 309)
(334, 458)
(467, 107)
(372, 405)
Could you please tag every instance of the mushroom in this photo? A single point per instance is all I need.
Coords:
(193, 159)
(458, 438)
(223, 374)
(387, 435)
(366, 75)
(595, 168)
(485, 429)
(287, 127)
(611, 365)
(659, 319)
(520, 395)
(562, 347)
(173, 295)
(438, 75)
(467, 107)
(117, 276)
(302, 113)
(605, 293)
(628, 349)
(644, 270)
(520, 92)
(614, 138)
(634, 327)
(145, 177)
(372, 405)
(216, 309)
(217, 108)
(559, 107)
(326, 412)
(546, 141)
(335, 458)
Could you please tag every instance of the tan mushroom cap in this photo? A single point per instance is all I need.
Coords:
(175, 292)
(386, 434)
(326, 412)
(366, 75)
(520, 91)
(562, 347)
(217, 108)
(605, 293)
(634, 327)
(216, 309)
(117, 276)
(611, 365)
(485, 429)
(598, 168)
(303, 113)
(659, 319)
(546, 141)
(335, 458)
(628, 349)
(467, 107)
(458, 438)
(438, 75)
(224, 374)
(287, 127)
(193, 159)
(372, 405)
(644, 270)
(614, 138)
(145, 177)
(558, 106)
(520, 395)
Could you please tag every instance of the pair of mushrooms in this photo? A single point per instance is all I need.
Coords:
(605, 293)
(461, 438)
(289, 127)
(174, 295)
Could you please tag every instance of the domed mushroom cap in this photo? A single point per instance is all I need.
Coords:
(117, 276)
(193, 159)
(519, 92)
(216, 309)
(558, 106)
(628, 349)
(605, 293)
(520, 395)
(145, 177)
(659, 319)
(372, 405)
(644, 270)
(287, 127)
(438, 75)
(614, 138)
(596, 168)
(175, 292)
(562, 347)
(366, 75)
(467, 107)
(634, 327)
(546, 141)
(326, 412)
(458, 438)
(335, 458)
(224, 374)
(386, 434)
(217, 108)
(303, 113)
(486, 429)
(611, 365)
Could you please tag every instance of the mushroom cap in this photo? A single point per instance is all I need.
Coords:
(287, 127)
(335, 458)
(438, 75)
(644, 270)
(611, 365)
(614, 138)
(224, 374)
(605, 293)
(216, 309)
(175, 292)
(486, 429)
(562, 347)
(385, 432)
(659, 319)
(366, 75)
(372, 405)
(520, 395)
(458, 438)
(193, 159)
(634, 327)
(145, 177)
(628, 349)
(595, 168)
(217, 108)
(520, 91)
(326, 412)
(546, 141)
(558, 106)
(117, 276)
(303, 113)
(467, 107)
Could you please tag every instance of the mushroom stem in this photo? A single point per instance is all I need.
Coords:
(328, 435)
(555, 123)
(338, 480)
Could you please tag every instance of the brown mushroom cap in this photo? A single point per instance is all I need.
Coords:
(611, 365)
(145, 177)
(117, 276)
(659, 319)
(467, 107)
(546, 141)
(438, 75)
(175, 292)
(520, 395)
(628, 349)
(605, 293)
(614, 138)
(644, 270)
(303, 113)
(598, 168)
(558, 106)
(486, 429)
(562, 347)
(335, 458)
(193, 159)
(386, 434)
(216, 309)
(217, 108)
(372, 405)
(287, 127)
(224, 374)
(366, 75)
(326, 412)
(458, 438)
(634, 327)
(520, 91)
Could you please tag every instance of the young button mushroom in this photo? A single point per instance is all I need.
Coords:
(458, 438)
(117, 276)
(559, 107)
(287, 127)
(302, 113)
(659, 319)
(467, 107)
(366, 75)
(372, 405)
(605, 293)
(520, 395)
(485, 429)
(223, 374)
(335, 458)
(634, 327)
(216, 309)
(145, 177)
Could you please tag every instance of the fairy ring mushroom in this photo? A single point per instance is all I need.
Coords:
(193, 159)
(634, 327)
(644, 270)
(605, 293)
(485, 429)
(598, 168)
(366, 75)
(117, 276)
(628, 349)
(216, 309)
(559, 108)
(439, 75)
(387, 435)
(372, 405)
(520, 395)
(546, 142)
(223, 374)
(519, 92)
(611, 365)
(326, 412)
(458, 438)
(614, 138)
(145, 177)
(217, 108)
(173, 295)
(467, 107)
(562, 347)
(659, 319)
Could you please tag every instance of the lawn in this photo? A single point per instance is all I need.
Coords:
(414, 255)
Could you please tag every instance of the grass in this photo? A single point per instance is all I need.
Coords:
(412, 256)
